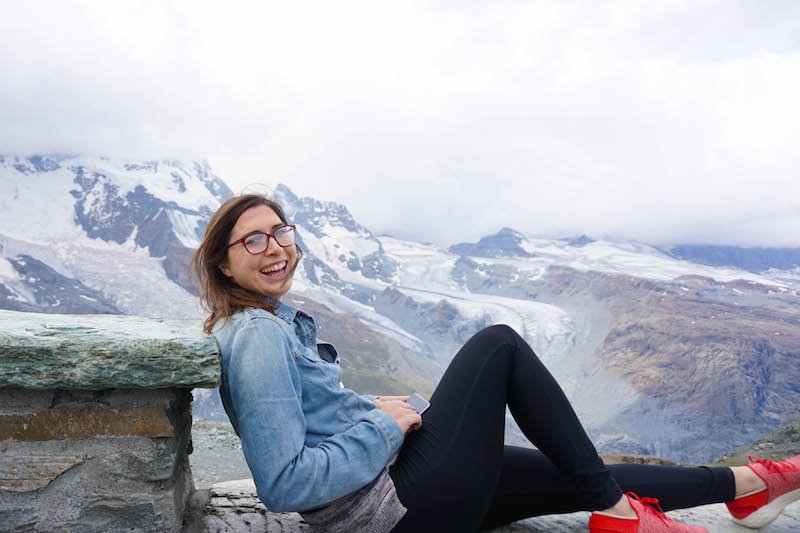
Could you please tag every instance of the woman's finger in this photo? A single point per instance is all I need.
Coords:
(400, 403)
(383, 398)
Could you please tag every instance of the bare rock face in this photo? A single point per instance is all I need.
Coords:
(740, 364)
(232, 507)
(718, 356)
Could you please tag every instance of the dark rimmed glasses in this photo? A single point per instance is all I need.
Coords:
(258, 241)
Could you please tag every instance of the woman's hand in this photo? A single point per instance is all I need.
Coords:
(382, 398)
(406, 416)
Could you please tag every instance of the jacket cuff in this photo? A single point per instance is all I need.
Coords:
(389, 428)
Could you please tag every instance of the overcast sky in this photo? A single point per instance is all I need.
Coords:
(438, 121)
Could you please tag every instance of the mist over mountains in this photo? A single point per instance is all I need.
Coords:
(681, 351)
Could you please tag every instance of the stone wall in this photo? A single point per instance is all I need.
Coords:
(95, 420)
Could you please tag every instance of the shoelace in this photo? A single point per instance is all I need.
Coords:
(777, 467)
(651, 505)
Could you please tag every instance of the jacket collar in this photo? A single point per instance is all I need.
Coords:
(284, 311)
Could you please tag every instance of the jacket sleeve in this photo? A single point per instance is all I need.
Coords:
(265, 392)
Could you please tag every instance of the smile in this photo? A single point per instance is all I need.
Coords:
(275, 271)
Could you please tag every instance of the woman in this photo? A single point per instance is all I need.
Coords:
(352, 462)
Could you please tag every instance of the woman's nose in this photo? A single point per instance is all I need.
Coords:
(272, 246)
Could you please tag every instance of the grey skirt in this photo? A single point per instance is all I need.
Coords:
(373, 508)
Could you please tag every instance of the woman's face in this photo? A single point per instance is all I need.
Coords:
(255, 271)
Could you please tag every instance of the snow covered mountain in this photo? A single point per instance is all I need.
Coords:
(113, 236)
(660, 355)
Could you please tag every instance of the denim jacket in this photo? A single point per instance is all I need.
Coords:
(307, 440)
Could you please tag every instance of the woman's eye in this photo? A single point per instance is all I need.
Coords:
(254, 240)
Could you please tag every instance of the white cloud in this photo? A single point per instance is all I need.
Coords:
(663, 121)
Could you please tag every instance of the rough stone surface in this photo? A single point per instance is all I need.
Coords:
(233, 507)
(94, 352)
(103, 482)
(29, 474)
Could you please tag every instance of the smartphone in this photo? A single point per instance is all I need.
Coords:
(419, 403)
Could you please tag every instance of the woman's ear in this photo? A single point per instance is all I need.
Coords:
(225, 269)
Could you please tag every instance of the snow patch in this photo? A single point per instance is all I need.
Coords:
(185, 227)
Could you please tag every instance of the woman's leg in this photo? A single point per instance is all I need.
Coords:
(447, 472)
(516, 497)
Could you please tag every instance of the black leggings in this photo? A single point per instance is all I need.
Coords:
(456, 474)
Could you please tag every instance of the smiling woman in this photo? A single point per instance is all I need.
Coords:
(351, 462)
(252, 262)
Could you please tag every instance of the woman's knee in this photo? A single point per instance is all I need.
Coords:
(500, 333)
(505, 335)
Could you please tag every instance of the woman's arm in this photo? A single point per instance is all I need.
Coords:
(264, 387)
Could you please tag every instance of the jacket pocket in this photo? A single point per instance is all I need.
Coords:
(327, 352)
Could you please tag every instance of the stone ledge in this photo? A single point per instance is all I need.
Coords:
(96, 352)
(233, 507)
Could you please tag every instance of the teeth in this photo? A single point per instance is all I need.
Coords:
(274, 268)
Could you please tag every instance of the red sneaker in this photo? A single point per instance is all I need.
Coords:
(758, 509)
(651, 519)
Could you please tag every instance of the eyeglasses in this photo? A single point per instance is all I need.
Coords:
(258, 241)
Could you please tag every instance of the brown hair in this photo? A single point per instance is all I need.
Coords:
(220, 295)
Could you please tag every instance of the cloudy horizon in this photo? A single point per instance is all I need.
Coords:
(664, 122)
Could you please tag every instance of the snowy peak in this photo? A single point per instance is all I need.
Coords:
(578, 242)
(335, 239)
(56, 202)
(58, 196)
(316, 216)
(505, 243)
(34, 163)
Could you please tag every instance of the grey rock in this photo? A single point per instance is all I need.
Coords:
(43, 351)
(95, 482)
(233, 506)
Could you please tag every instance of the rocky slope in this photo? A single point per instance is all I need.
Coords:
(780, 444)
